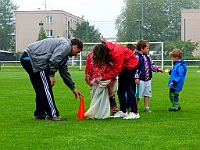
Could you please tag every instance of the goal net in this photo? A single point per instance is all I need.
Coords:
(155, 51)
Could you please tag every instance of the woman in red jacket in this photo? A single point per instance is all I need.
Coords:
(124, 63)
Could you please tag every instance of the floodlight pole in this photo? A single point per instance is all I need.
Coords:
(86, 31)
(139, 27)
(184, 56)
(45, 5)
(142, 18)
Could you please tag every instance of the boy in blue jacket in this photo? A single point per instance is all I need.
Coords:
(177, 78)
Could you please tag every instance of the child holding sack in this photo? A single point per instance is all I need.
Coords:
(101, 92)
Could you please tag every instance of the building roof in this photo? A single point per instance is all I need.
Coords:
(50, 12)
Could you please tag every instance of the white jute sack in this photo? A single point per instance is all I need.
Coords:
(100, 104)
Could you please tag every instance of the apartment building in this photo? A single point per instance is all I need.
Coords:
(56, 23)
(190, 22)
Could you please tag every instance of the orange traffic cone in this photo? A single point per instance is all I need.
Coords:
(81, 110)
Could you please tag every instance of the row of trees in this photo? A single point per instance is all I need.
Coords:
(161, 21)
(87, 33)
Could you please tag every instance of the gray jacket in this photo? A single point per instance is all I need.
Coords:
(51, 53)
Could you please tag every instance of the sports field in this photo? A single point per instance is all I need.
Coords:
(157, 130)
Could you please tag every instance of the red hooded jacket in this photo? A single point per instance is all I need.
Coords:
(121, 57)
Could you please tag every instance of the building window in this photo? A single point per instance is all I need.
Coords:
(49, 33)
(49, 19)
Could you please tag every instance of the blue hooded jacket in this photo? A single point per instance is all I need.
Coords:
(178, 74)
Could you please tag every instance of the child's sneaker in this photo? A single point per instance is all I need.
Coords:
(132, 115)
(174, 109)
(120, 114)
(147, 110)
(113, 114)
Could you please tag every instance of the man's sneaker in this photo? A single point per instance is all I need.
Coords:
(132, 115)
(147, 110)
(39, 117)
(120, 114)
(58, 118)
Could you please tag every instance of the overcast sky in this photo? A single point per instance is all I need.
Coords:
(101, 13)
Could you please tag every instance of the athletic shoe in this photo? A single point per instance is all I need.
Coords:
(113, 113)
(132, 115)
(39, 117)
(147, 110)
(120, 114)
(58, 118)
(172, 109)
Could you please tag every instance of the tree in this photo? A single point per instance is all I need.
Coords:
(7, 9)
(2, 39)
(126, 23)
(190, 46)
(42, 35)
(161, 19)
(86, 33)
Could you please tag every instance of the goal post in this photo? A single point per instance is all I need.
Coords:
(153, 50)
(156, 49)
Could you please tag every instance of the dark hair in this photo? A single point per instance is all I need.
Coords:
(77, 42)
(131, 47)
(101, 53)
(142, 44)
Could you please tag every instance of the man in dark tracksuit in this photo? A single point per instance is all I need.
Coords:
(41, 60)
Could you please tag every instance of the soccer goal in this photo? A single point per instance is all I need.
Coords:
(155, 51)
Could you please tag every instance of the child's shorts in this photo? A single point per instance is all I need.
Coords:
(145, 89)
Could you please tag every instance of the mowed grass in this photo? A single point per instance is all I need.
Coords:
(157, 130)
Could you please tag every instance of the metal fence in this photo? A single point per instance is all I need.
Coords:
(80, 63)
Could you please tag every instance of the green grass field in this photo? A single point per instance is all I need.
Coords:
(157, 130)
